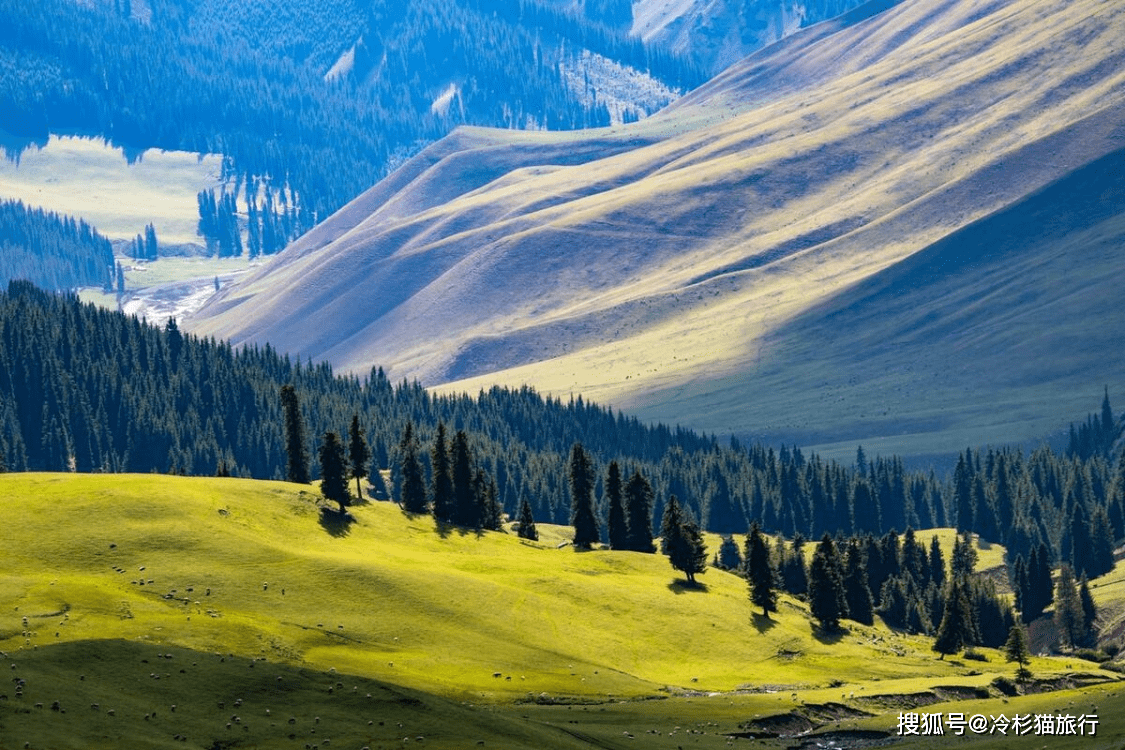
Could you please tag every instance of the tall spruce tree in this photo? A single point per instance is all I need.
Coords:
(527, 521)
(582, 516)
(615, 500)
(682, 541)
(760, 574)
(861, 608)
(358, 454)
(466, 494)
(1068, 609)
(333, 471)
(956, 630)
(826, 586)
(1016, 649)
(638, 510)
(441, 481)
(297, 464)
(413, 497)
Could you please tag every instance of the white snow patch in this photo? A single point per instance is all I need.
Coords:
(441, 104)
(596, 78)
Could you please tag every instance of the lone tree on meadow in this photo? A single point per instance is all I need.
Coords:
(759, 571)
(682, 541)
(527, 522)
(358, 454)
(297, 464)
(333, 467)
(1016, 649)
(581, 475)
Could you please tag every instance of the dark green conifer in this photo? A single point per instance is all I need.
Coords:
(1016, 649)
(466, 502)
(441, 481)
(527, 521)
(413, 497)
(856, 594)
(582, 517)
(826, 585)
(358, 454)
(1068, 609)
(333, 477)
(760, 573)
(297, 466)
(638, 510)
(618, 526)
(956, 630)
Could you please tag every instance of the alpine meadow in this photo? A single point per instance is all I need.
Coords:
(570, 374)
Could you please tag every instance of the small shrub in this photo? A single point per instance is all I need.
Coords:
(975, 655)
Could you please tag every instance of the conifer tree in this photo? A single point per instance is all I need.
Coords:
(858, 596)
(1016, 649)
(1068, 609)
(937, 562)
(527, 522)
(358, 454)
(466, 493)
(1089, 612)
(441, 482)
(760, 574)
(956, 630)
(826, 585)
(728, 557)
(297, 466)
(794, 576)
(333, 478)
(682, 541)
(582, 517)
(638, 510)
(618, 526)
(413, 496)
(964, 558)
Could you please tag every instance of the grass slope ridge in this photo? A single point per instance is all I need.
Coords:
(214, 611)
(649, 266)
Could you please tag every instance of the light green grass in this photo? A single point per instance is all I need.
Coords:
(252, 570)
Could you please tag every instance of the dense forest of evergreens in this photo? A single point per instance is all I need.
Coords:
(52, 251)
(91, 390)
(250, 80)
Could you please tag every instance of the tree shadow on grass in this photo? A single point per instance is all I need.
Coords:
(680, 586)
(336, 523)
(761, 622)
(827, 636)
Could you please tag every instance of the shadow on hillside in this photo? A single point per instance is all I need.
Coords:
(829, 637)
(761, 622)
(336, 523)
(680, 586)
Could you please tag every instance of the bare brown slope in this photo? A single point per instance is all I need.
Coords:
(648, 266)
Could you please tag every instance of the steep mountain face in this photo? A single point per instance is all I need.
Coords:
(803, 249)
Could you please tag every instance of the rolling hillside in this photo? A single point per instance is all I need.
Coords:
(155, 611)
(683, 266)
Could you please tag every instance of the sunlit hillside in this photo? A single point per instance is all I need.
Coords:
(691, 265)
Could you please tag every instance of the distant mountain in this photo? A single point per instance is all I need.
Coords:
(713, 33)
(803, 249)
(317, 98)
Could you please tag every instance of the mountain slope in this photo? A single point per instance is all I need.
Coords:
(656, 266)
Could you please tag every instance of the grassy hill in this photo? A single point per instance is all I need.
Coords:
(137, 593)
(671, 267)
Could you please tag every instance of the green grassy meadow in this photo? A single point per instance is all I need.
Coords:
(138, 592)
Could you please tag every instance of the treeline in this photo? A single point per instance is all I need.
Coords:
(92, 390)
(52, 251)
(248, 80)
